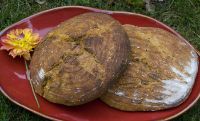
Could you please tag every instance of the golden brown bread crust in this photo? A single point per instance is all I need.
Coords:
(79, 59)
(160, 75)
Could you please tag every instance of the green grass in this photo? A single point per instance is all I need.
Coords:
(182, 15)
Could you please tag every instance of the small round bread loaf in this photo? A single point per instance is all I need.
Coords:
(160, 75)
(79, 59)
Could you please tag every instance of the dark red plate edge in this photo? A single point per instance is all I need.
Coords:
(103, 11)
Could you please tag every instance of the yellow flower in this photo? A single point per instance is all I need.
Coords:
(20, 42)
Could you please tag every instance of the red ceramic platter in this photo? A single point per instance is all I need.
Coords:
(15, 86)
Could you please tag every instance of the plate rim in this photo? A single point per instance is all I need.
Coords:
(107, 12)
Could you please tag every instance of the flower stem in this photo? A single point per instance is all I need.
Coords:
(29, 79)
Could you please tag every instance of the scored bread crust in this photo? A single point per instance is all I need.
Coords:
(160, 75)
(79, 59)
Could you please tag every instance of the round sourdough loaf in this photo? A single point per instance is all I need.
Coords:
(79, 59)
(160, 75)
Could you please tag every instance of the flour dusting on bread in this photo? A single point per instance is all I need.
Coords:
(160, 75)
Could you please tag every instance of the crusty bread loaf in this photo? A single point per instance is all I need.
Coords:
(160, 75)
(79, 59)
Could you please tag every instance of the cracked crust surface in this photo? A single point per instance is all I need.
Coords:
(160, 75)
(79, 59)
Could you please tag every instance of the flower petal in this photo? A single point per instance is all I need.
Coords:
(6, 47)
(12, 54)
(27, 56)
